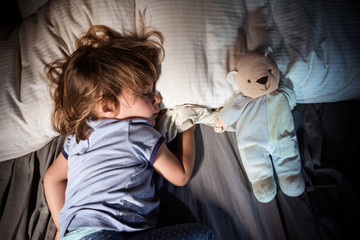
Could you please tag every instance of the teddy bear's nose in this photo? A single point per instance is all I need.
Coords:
(262, 80)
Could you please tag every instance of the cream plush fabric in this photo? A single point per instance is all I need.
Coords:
(267, 141)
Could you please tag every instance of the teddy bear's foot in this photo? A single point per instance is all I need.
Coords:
(292, 185)
(264, 190)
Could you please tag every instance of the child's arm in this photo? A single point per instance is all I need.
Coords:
(177, 169)
(55, 181)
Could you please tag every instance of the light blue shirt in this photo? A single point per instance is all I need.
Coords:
(110, 183)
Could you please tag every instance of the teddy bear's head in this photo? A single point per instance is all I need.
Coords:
(256, 75)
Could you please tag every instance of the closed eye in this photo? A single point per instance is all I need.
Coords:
(148, 94)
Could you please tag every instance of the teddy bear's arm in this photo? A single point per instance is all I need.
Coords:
(233, 109)
(288, 93)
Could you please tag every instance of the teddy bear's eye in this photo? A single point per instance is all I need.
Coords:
(249, 81)
(270, 71)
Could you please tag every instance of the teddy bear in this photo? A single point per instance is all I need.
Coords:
(261, 115)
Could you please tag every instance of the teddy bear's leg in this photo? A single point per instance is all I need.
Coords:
(258, 167)
(287, 165)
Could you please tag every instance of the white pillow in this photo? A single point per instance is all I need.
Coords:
(199, 40)
(51, 34)
(203, 39)
(42, 38)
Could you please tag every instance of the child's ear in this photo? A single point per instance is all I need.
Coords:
(105, 109)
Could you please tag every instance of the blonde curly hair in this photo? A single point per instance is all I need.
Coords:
(104, 63)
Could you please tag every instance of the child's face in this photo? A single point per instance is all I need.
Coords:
(144, 104)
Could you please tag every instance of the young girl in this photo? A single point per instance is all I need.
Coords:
(105, 99)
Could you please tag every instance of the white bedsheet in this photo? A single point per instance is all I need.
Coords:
(315, 44)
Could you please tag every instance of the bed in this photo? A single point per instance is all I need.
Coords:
(315, 44)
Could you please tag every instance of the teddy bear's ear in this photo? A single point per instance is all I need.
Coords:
(268, 52)
(231, 77)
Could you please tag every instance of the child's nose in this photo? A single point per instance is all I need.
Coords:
(157, 99)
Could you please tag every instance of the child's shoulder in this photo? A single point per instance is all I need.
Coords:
(112, 121)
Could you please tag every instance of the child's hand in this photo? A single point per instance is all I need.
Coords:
(57, 236)
(177, 169)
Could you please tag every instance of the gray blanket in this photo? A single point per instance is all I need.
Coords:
(219, 194)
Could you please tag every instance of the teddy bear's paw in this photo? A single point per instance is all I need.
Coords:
(219, 129)
(220, 126)
(264, 190)
(292, 185)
